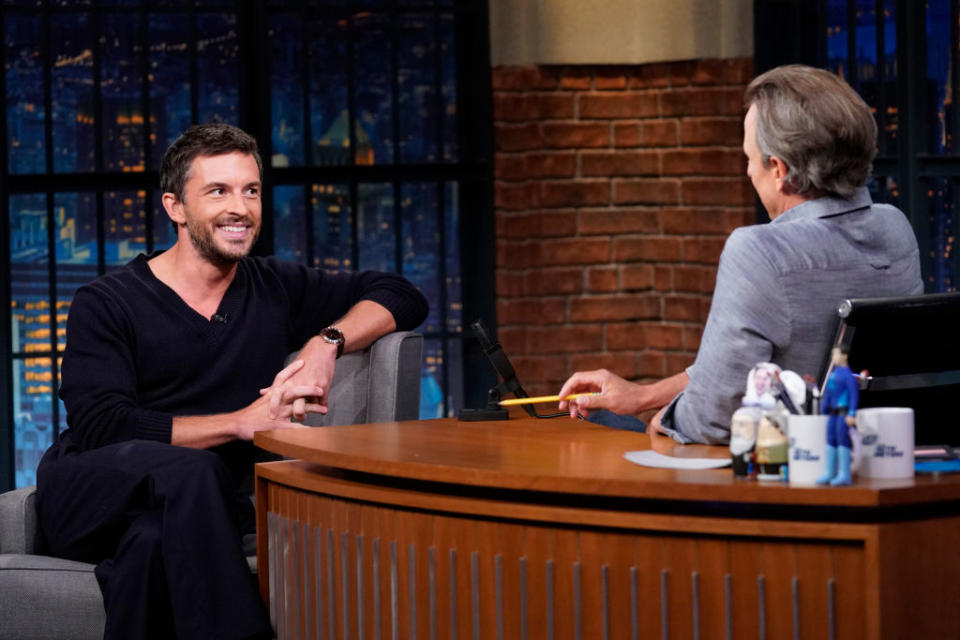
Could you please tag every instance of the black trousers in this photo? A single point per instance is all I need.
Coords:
(161, 524)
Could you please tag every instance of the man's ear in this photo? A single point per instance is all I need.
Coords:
(173, 207)
(780, 171)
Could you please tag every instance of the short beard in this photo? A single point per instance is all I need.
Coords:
(202, 241)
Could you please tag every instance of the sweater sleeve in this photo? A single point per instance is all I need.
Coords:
(318, 298)
(99, 379)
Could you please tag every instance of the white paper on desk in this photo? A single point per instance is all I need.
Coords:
(650, 458)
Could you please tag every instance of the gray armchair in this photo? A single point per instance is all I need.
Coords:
(43, 597)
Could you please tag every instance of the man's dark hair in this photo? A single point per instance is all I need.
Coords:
(211, 139)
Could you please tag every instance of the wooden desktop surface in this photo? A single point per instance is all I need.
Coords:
(560, 455)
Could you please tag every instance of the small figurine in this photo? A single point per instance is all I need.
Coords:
(772, 446)
(839, 402)
(743, 438)
(761, 383)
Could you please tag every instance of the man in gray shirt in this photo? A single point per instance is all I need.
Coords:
(809, 140)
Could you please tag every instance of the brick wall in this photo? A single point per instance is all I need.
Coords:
(615, 188)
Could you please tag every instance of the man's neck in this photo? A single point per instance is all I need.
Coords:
(199, 282)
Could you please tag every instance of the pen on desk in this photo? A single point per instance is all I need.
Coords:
(538, 399)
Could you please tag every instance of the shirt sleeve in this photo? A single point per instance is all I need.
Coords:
(748, 321)
(99, 379)
(318, 298)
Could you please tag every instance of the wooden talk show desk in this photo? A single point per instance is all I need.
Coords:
(541, 529)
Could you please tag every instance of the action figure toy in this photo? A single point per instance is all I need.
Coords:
(839, 402)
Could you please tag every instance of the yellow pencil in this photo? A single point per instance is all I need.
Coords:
(515, 401)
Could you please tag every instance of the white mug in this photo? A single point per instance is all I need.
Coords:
(808, 444)
(888, 439)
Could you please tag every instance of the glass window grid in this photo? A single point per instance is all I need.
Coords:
(140, 178)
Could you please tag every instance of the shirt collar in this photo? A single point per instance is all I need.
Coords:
(826, 206)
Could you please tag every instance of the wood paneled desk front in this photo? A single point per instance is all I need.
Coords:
(541, 529)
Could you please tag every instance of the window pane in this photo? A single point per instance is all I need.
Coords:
(289, 224)
(452, 256)
(454, 367)
(33, 390)
(421, 246)
(286, 89)
(417, 86)
(218, 71)
(329, 120)
(891, 123)
(431, 381)
(884, 189)
(164, 234)
(332, 227)
(374, 82)
(169, 81)
(375, 218)
(29, 274)
(448, 71)
(26, 152)
(866, 47)
(72, 93)
(939, 71)
(941, 205)
(837, 37)
(125, 232)
(120, 88)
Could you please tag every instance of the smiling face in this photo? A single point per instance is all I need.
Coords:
(221, 209)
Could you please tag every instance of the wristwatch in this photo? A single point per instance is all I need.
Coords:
(332, 335)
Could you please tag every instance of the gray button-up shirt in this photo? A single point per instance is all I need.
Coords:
(778, 289)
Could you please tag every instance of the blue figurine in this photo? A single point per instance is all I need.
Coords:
(840, 397)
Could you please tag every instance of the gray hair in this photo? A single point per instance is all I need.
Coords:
(818, 125)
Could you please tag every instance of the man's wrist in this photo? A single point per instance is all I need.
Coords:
(333, 336)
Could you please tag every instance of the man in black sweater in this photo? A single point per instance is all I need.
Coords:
(172, 363)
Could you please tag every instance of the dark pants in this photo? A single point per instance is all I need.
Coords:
(838, 433)
(161, 524)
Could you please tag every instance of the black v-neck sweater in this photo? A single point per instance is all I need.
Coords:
(137, 355)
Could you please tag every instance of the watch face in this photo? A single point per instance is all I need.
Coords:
(332, 334)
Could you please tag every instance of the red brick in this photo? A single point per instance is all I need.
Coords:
(704, 308)
(556, 105)
(575, 78)
(622, 364)
(677, 362)
(615, 307)
(515, 196)
(572, 251)
(514, 78)
(701, 102)
(544, 282)
(663, 277)
(534, 311)
(533, 368)
(712, 131)
(548, 77)
(703, 250)
(694, 279)
(618, 105)
(602, 280)
(518, 226)
(650, 76)
(619, 163)
(567, 339)
(714, 71)
(523, 137)
(636, 277)
(510, 166)
(617, 221)
(515, 107)
(513, 339)
(574, 194)
(704, 162)
(556, 135)
(664, 336)
(558, 224)
(625, 335)
(646, 191)
(651, 364)
(691, 337)
(510, 284)
(647, 249)
(733, 192)
(658, 133)
(695, 221)
(518, 255)
(612, 78)
(679, 307)
(552, 165)
(626, 134)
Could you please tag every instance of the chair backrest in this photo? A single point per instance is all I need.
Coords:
(379, 384)
(18, 520)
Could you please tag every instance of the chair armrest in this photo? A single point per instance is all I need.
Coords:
(394, 383)
(18, 520)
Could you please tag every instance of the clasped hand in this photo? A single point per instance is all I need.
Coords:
(301, 387)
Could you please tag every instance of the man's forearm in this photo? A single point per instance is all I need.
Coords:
(363, 324)
(661, 393)
(203, 432)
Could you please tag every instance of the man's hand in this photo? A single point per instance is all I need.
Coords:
(616, 394)
(305, 388)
